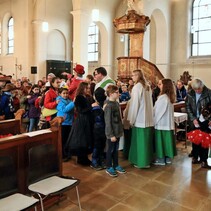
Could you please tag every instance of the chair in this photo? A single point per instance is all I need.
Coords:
(10, 199)
(43, 174)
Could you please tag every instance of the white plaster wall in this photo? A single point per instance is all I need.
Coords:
(19, 11)
(31, 47)
(57, 42)
(180, 45)
(105, 24)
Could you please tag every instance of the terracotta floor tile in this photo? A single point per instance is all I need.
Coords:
(122, 207)
(169, 206)
(157, 189)
(98, 201)
(142, 201)
(199, 187)
(118, 191)
(171, 179)
(187, 199)
(206, 206)
(180, 186)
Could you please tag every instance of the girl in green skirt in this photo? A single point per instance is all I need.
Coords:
(140, 116)
(165, 145)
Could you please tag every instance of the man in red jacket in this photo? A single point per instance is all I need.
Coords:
(76, 80)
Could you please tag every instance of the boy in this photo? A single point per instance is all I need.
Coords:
(98, 130)
(125, 96)
(113, 131)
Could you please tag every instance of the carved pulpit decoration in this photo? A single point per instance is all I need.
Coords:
(135, 24)
(185, 77)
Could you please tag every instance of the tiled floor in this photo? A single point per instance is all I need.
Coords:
(180, 186)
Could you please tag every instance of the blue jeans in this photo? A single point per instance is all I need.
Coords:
(112, 153)
(97, 156)
(33, 122)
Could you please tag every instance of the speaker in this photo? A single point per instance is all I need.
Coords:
(33, 70)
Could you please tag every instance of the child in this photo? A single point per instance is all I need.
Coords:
(201, 134)
(125, 96)
(113, 131)
(34, 112)
(165, 146)
(127, 132)
(65, 110)
(80, 140)
(98, 129)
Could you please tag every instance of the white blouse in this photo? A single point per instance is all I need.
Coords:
(140, 112)
(164, 113)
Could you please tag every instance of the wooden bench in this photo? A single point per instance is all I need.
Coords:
(12, 126)
(17, 147)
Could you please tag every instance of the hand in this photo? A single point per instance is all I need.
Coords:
(209, 123)
(196, 123)
(64, 73)
(2, 117)
(57, 102)
(28, 96)
(95, 104)
(113, 139)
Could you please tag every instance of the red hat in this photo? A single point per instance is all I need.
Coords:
(79, 69)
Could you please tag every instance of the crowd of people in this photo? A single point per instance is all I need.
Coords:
(94, 122)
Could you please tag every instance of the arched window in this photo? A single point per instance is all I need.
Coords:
(11, 36)
(0, 39)
(201, 28)
(93, 43)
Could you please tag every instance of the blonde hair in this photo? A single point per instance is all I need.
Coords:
(169, 89)
(142, 79)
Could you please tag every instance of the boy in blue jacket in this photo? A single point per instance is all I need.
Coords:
(98, 130)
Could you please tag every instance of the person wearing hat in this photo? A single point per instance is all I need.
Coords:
(76, 80)
(4, 80)
(6, 102)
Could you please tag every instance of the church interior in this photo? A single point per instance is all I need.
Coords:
(166, 38)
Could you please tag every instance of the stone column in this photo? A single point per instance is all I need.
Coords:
(40, 49)
(80, 37)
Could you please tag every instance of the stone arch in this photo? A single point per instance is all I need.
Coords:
(103, 45)
(159, 40)
(56, 45)
(103, 50)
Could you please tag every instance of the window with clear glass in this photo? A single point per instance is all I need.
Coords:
(93, 42)
(201, 28)
(0, 40)
(11, 36)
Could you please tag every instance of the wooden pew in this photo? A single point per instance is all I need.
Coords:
(10, 126)
(17, 147)
(179, 107)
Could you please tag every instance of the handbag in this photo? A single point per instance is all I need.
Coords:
(48, 112)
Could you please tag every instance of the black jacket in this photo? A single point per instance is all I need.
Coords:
(191, 106)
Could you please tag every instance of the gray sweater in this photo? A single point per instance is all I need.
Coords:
(113, 121)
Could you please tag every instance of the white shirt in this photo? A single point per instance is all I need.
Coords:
(164, 113)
